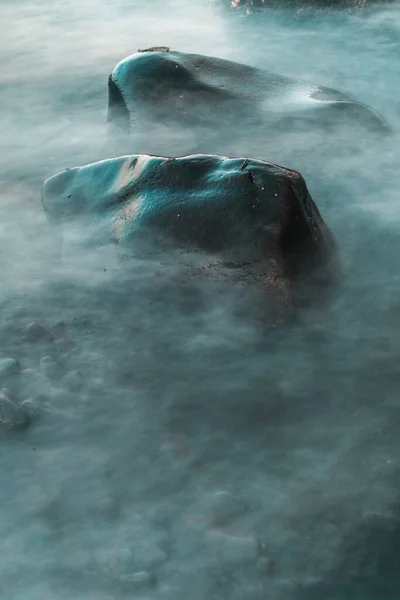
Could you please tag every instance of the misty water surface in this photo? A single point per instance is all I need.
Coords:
(163, 395)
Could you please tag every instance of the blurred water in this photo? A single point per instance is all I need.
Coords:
(163, 395)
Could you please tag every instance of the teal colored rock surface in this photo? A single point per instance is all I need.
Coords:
(160, 87)
(9, 366)
(255, 5)
(238, 220)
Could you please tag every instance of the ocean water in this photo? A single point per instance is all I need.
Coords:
(175, 450)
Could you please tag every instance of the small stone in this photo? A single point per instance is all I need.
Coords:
(12, 416)
(49, 367)
(8, 392)
(59, 330)
(223, 508)
(9, 366)
(36, 332)
(96, 386)
(73, 381)
(31, 408)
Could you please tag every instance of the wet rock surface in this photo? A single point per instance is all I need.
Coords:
(366, 563)
(50, 368)
(251, 6)
(36, 332)
(192, 93)
(13, 417)
(8, 367)
(235, 220)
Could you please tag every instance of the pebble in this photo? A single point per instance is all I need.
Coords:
(12, 416)
(8, 392)
(49, 367)
(59, 330)
(222, 508)
(73, 381)
(9, 366)
(31, 408)
(36, 332)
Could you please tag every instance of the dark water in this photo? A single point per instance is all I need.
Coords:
(163, 396)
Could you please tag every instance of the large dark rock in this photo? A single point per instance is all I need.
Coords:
(237, 220)
(250, 6)
(190, 92)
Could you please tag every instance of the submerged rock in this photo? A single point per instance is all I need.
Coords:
(9, 366)
(36, 332)
(222, 508)
(242, 221)
(50, 368)
(73, 381)
(366, 564)
(59, 330)
(250, 6)
(187, 91)
(33, 410)
(12, 416)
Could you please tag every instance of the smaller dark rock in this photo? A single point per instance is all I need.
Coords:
(31, 409)
(9, 393)
(50, 368)
(73, 381)
(9, 366)
(59, 330)
(223, 508)
(12, 416)
(36, 332)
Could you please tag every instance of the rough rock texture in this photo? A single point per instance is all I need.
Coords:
(9, 366)
(367, 562)
(252, 5)
(13, 417)
(159, 87)
(238, 220)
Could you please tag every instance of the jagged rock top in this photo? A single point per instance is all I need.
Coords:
(251, 219)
